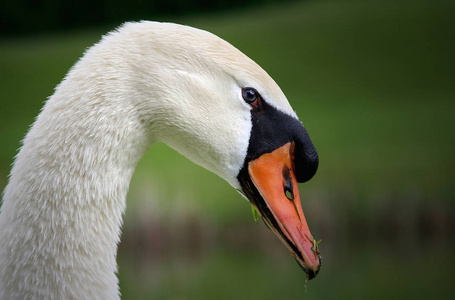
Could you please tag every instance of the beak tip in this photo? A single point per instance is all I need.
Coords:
(311, 272)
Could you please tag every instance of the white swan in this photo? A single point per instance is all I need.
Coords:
(146, 82)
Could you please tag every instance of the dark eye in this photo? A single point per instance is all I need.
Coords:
(251, 96)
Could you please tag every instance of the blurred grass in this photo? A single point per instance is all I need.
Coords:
(373, 82)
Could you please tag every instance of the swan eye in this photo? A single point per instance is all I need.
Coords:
(251, 96)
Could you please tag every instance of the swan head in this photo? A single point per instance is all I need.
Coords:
(221, 110)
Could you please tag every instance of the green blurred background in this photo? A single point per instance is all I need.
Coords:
(373, 82)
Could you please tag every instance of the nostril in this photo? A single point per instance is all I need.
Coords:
(288, 189)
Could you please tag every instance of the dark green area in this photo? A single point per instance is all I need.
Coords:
(373, 82)
(27, 16)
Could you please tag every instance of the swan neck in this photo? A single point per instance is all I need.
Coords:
(62, 210)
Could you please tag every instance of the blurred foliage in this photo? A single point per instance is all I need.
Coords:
(373, 82)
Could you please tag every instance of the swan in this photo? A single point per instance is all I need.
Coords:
(143, 83)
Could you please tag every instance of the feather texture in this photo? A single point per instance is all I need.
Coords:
(143, 83)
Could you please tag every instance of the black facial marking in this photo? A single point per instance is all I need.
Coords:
(273, 129)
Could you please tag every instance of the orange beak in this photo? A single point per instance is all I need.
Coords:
(276, 196)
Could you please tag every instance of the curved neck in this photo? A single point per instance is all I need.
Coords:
(62, 209)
